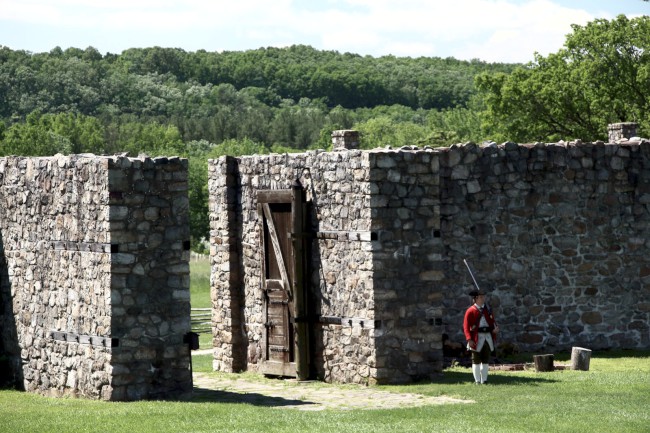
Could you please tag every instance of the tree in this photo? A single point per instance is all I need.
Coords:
(48, 134)
(384, 131)
(198, 193)
(297, 125)
(601, 76)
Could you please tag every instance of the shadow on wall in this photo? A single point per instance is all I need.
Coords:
(313, 293)
(11, 372)
(240, 342)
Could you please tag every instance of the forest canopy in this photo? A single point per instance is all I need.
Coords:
(270, 95)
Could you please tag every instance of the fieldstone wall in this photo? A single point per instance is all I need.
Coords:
(557, 233)
(336, 185)
(94, 276)
(352, 197)
(230, 339)
(408, 267)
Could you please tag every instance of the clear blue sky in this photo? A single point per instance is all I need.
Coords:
(490, 30)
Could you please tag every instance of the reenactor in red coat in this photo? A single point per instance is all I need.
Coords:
(480, 330)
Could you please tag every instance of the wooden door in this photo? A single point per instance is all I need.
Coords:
(284, 346)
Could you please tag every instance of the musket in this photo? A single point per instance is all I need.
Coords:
(471, 274)
(477, 287)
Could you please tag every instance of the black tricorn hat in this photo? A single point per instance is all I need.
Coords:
(475, 293)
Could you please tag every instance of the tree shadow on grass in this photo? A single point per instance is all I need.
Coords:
(204, 395)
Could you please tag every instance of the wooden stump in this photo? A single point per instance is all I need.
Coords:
(543, 362)
(580, 358)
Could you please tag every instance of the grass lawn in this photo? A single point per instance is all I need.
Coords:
(200, 283)
(200, 294)
(614, 396)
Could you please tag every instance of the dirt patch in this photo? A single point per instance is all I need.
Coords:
(292, 394)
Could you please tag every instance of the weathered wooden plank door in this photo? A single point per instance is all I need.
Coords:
(284, 342)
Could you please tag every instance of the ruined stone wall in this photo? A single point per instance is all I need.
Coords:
(556, 233)
(375, 251)
(94, 275)
(336, 187)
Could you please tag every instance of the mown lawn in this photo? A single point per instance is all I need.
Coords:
(200, 282)
(200, 293)
(614, 396)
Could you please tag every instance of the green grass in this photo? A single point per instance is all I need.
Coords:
(202, 363)
(200, 293)
(205, 340)
(200, 283)
(614, 396)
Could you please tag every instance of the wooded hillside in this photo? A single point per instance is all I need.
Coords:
(270, 95)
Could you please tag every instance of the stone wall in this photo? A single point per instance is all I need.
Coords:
(408, 263)
(94, 275)
(383, 333)
(336, 186)
(557, 233)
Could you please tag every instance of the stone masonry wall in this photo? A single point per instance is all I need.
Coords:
(408, 263)
(230, 340)
(371, 265)
(150, 278)
(94, 275)
(557, 233)
(336, 186)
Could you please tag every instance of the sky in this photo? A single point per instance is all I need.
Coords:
(509, 31)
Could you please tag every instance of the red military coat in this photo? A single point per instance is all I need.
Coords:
(471, 323)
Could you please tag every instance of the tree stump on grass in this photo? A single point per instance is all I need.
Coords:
(543, 363)
(580, 358)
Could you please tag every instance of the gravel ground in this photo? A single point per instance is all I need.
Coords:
(309, 395)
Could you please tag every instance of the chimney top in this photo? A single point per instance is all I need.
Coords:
(345, 139)
(621, 131)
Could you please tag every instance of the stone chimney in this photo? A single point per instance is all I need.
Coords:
(345, 139)
(621, 131)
